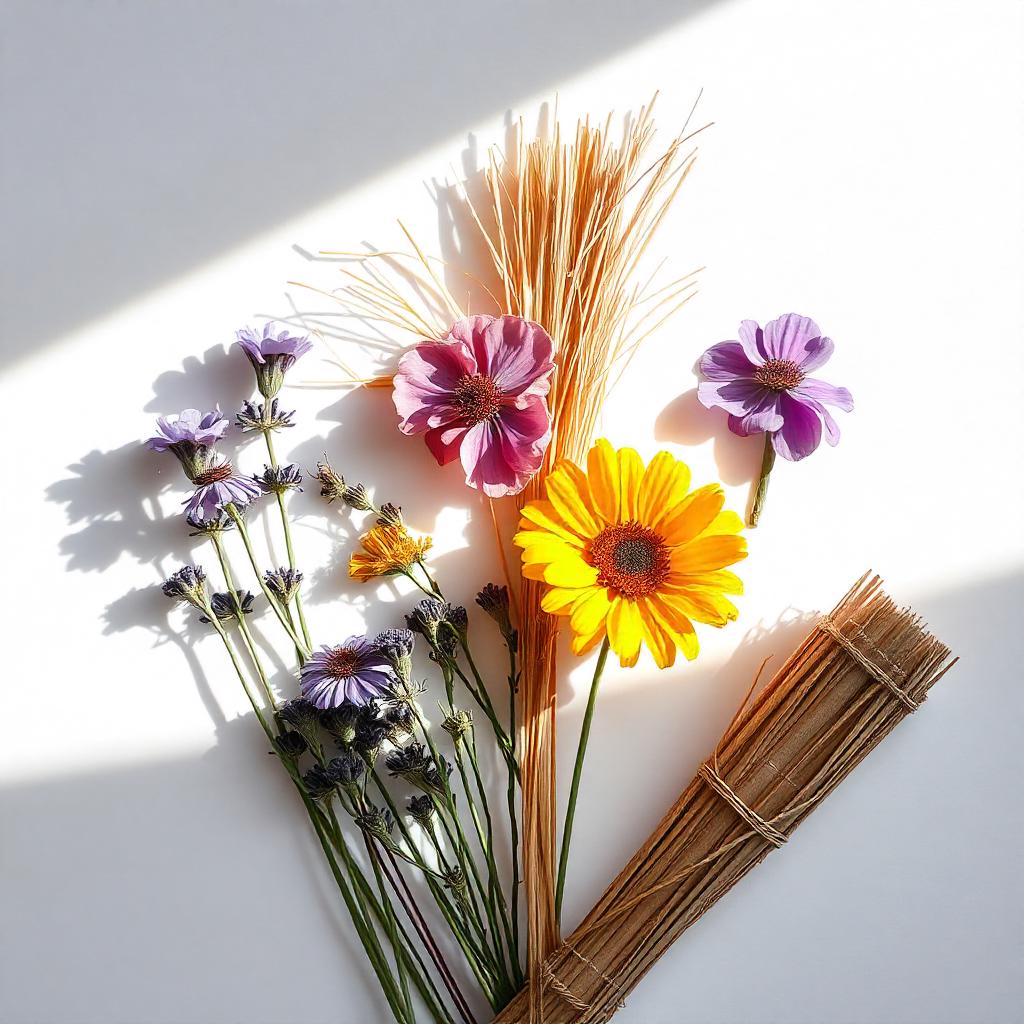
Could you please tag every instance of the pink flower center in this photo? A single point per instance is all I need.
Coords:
(341, 662)
(778, 375)
(629, 558)
(477, 397)
(214, 474)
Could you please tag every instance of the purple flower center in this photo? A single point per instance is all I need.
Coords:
(213, 475)
(778, 375)
(629, 558)
(341, 663)
(477, 397)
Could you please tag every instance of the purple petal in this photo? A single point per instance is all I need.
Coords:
(525, 434)
(801, 430)
(752, 341)
(483, 459)
(794, 338)
(736, 397)
(822, 391)
(726, 361)
(763, 418)
(516, 354)
(427, 377)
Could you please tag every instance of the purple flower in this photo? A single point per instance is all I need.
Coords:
(480, 394)
(354, 671)
(190, 437)
(218, 487)
(272, 354)
(761, 382)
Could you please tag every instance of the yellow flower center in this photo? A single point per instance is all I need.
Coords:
(477, 397)
(778, 375)
(629, 558)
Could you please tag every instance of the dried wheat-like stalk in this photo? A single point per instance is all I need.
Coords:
(566, 226)
(859, 673)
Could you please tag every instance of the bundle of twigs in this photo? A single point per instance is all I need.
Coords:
(864, 668)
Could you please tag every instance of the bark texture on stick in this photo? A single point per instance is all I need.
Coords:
(860, 671)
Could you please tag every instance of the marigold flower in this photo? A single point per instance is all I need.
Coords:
(387, 550)
(632, 554)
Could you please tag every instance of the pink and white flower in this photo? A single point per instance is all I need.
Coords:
(480, 395)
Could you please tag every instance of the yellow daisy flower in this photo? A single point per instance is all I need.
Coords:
(632, 554)
(387, 549)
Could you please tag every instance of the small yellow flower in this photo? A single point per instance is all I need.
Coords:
(387, 549)
(632, 554)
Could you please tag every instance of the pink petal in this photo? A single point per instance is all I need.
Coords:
(444, 442)
(525, 434)
(426, 378)
(484, 461)
(794, 338)
(515, 354)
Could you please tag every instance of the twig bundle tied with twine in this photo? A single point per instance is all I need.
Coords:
(860, 672)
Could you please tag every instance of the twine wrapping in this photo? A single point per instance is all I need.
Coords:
(785, 751)
(827, 625)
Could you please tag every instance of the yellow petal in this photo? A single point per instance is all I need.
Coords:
(722, 580)
(677, 625)
(705, 554)
(631, 471)
(665, 483)
(584, 642)
(702, 606)
(559, 600)
(542, 514)
(692, 515)
(567, 572)
(550, 550)
(625, 631)
(570, 501)
(725, 522)
(603, 474)
(590, 611)
(658, 639)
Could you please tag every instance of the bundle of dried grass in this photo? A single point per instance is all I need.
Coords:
(864, 668)
(566, 226)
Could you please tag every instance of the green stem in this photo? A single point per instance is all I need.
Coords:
(513, 823)
(577, 772)
(271, 600)
(761, 490)
(268, 436)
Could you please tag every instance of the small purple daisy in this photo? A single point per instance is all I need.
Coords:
(355, 671)
(219, 487)
(272, 354)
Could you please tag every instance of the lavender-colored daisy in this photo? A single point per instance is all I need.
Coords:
(272, 354)
(354, 671)
(190, 437)
(761, 382)
(219, 487)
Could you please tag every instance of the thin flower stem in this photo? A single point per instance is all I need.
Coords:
(761, 490)
(272, 601)
(577, 772)
(268, 436)
(222, 633)
(513, 683)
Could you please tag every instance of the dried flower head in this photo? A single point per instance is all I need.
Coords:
(283, 583)
(342, 721)
(457, 723)
(495, 603)
(263, 416)
(273, 353)
(319, 782)
(397, 645)
(377, 823)
(217, 523)
(291, 744)
(333, 487)
(228, 605)
(390, 514)
(422, 809)
(347, 770)
(399, 720)
(187, 584)
(301, 715)
(278, 479)
(387, 550)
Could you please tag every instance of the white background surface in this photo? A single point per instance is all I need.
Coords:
(165, 163)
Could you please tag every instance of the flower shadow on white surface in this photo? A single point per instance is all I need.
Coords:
(212, 145)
